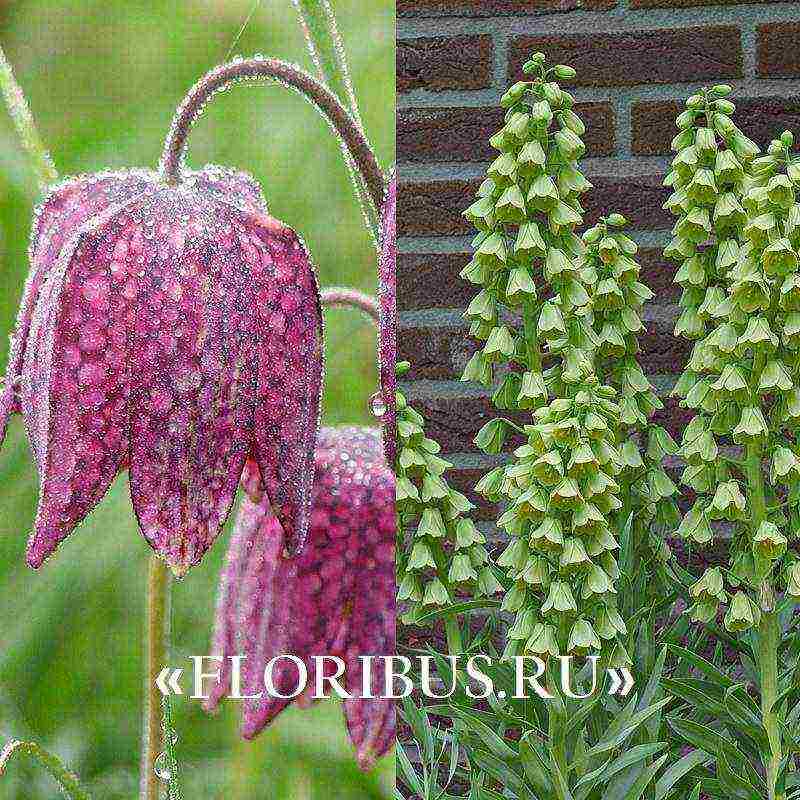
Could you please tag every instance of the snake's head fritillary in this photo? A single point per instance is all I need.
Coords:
(387, 292)
(336, 598)
(174, 331)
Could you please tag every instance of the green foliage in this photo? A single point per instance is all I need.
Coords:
(67, 781)
(439, 548)
(561, 749)
(741, 300)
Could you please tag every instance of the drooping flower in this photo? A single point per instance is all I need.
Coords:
(387, 290)
(174, 331)
(336, 598)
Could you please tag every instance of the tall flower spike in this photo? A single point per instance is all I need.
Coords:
(611, 274)
(387, 343)
(336, 598)
(171, 327)
(445, 553)
(560, 490)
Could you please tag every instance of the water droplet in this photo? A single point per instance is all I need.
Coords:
(378, 405)
(161, 768)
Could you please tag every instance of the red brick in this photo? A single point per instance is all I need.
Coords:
(464, 481)
(434, 208)
(462, 134)
(440, 352)
(639, 198)
(673, 418)
(658, 274)
(453, 422)
(431, 280)
(442, 63)
(632, 58)
(778, 45)
(762, 119)
(435, 352)
(496, 8)
(696, 3)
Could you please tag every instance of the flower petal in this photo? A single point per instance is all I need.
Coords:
(290, 373)
(254, 554)
(60, 215)
(74, 379)
(310, 605)
(194, 360)
(230, 186)
(387, 292)
(371, 631)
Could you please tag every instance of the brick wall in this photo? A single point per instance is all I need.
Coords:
(636, 60)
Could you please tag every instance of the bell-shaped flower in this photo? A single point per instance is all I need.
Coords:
(336, 598)
(695, 526)
(742, 614)
(728, 502)
(710, 587)
(793, 580)
(543, 641)
(173, 331)
(769, 542)
(752, 425)
(560, 598)
(583, 638)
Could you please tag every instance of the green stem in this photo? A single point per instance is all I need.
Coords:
(66, 779)
(768, 634)
(328, 54)
(532, 352)
(455, 645)
(21, 115)
(158, 608)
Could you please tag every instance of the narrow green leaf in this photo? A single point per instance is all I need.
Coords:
(679, 770)
(406, 772)
(535, 767)
(458, 609)
(700, 663)
(325, 45)
(643, 781)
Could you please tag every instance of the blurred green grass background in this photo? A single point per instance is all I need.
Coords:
(103, 78)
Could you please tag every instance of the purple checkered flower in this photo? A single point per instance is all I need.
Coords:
(173, 331)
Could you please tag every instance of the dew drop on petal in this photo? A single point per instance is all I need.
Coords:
(378, 405)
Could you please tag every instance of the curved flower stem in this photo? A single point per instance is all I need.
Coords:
(158, 608)
(338, 296)
(21, 115)
(66, 779)
(286, 74)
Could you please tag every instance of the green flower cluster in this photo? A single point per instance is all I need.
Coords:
(444, 551)
(737, 241)
(611, 273)
(560, 491)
